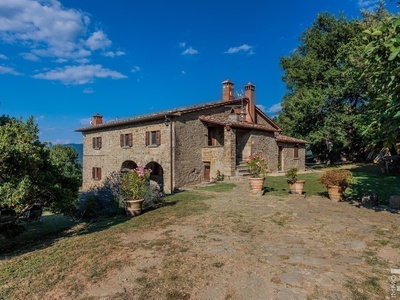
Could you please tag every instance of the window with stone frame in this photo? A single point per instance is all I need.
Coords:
(96, 143)
(125, 140)
(153, 138)
(96, 173)
(296, 151)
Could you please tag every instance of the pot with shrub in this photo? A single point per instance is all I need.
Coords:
(258, 167)
(336, 181)
(135, 184)
(295, 185)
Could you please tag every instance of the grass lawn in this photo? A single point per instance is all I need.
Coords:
(66, 256)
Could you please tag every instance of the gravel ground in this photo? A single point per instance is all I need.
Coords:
(262, 247)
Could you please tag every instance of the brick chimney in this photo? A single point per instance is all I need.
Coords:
(250, 106)
(97, 119)
(227, 91)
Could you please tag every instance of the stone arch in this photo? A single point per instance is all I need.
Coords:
(128, 165)
(157, 172)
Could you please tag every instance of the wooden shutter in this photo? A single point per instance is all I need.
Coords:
(130, 140)
(158, 137)
(100, 142)
(296, 151)
(99, 173)
(94, 143)
(147, 141)
(121, 140)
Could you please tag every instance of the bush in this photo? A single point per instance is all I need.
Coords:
(338, 177)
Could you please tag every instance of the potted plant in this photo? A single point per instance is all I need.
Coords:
(295, 185)
(336, 181)
(134, 186)
(258, 167)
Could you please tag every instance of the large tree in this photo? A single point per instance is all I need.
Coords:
(382, 59)
(31, 171)
(325, 98)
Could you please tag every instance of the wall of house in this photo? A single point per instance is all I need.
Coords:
(265, 144)
(111, 155)
(288, 159)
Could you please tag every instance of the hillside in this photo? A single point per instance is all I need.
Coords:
(78, 148)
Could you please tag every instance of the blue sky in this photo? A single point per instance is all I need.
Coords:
(63, 61)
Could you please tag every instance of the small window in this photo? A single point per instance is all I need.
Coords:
(212, 134)
(125, 140)
(96, 173)
(97, 143)
(296, 151)
(153, 138)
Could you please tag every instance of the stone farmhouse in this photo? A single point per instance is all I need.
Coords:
(189, 145)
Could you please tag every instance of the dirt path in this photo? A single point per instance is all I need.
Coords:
(262, 247)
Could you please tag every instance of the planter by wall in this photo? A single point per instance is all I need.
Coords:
(133, 207)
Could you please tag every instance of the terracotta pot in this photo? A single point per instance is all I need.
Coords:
(133, 207)
(257, 184)
(297, 187)
(335, 192)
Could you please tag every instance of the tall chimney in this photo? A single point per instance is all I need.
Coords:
(251, 109)
(97, 119)
(227, 91)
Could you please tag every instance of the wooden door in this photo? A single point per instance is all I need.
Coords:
(207, 171)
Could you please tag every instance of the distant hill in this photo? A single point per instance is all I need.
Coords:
(78, 148)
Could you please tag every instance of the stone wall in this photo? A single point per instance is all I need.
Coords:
(288, 160)
(111, 155)
(265, 144)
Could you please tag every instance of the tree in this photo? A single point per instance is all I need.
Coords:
(382, 56)
(325, 99)
(31, 171)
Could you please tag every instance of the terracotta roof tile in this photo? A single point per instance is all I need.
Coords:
(220, 120)
(289, 139)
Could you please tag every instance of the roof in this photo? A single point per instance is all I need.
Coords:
(159, 115)
(289, 139)
(219, 120)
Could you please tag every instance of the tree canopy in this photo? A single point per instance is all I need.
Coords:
(31, 171)
(333, 88)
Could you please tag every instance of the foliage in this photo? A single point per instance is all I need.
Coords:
(31, 172)
(336, 177)
(291, 175)
(135, 183)
(257, 165)
(220, 176)
(382, 55)
(327, 98)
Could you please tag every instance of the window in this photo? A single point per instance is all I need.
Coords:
(125, 140)
(97, 143)
(153, 138)
(212, 134)
(96, 173)
(296, 151)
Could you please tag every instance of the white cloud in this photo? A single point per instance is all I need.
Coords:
(98, 40)
(190, 51)
(136, 69)
(88, 91)
(7, 70)
(85, 121)
(262, 107)
(30, 56)
(113, 54)
(182, 44)
(243, 48)
(367, 3)
(275, 108)
(47, 29)
(2, 56)
(79, 74)
(60, 142)
(183, 72)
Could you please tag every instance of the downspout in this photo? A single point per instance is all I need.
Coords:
(171, 147)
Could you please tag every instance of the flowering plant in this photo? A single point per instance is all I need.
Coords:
(135, 183)
(257, 165)
(336, 177)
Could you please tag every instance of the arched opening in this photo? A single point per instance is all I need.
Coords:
(157, 172)
(128, 165)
